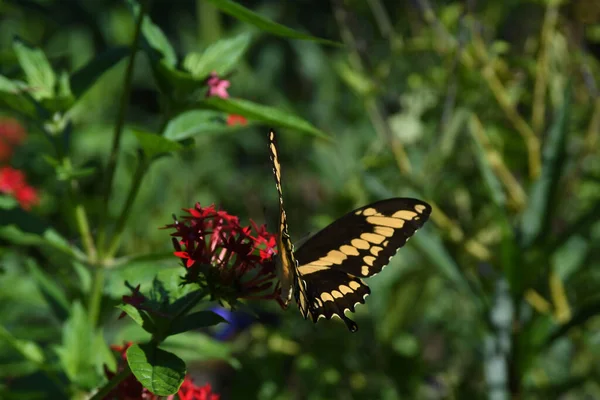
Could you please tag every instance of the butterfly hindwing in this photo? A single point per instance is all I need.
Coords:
(329, 294)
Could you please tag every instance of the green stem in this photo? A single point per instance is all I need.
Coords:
(136, 183)
(113, 383)
(114, 155)
(96, 294)
(81, 219)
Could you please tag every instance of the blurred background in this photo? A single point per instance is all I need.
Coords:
(488, 110)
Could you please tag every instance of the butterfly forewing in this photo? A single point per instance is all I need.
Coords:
(357, 245)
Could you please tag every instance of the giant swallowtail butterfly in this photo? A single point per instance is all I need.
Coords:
(325, 273)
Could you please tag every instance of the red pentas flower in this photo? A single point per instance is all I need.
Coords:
(189, 391)
(234, 119)
(230, 260)
(12, 182)
(12, 134)
(217, 87)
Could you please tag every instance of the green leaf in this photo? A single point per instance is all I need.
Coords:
(221, 57)
(29, 350)
(198, 122)
(243, 14)
(154, 36)
(269, 115)
(14, 95)
(53, 293)
(492, 183)
(536, 217)
(77, 352)
(140, 317)
(155, 145)
(85, 77)
(197, 320)
(39, 72)
(157, 370)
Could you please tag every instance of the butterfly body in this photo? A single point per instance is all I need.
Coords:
(325, 274)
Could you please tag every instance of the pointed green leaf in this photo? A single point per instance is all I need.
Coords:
(155, 145)
(14, 96)
(39, 72)
(266, 114)
(52, 292)
(492, 183)
(198, 122)
(154, 36)
(536, 217)
(140, 317)
(243, 14)
(157, 370)
(85, 77)
(29, 350)
(197, 320)
(77, 350)
(220, 57)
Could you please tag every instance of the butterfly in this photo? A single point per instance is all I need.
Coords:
(325, 274)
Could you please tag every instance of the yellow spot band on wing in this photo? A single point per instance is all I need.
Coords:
(360, 244)
(372, 237)
(404, 214)
(384, 230)
(326, 297)
(386, 221)
(349, 250)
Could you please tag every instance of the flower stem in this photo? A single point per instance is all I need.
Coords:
(113, 383)
(114, 154)
(138, 175)
(96, 295)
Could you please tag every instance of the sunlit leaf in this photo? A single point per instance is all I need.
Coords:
(269, 115)
(39, 72)
(220, 57)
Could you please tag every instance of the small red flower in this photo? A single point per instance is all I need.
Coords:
(217, 86)
(136, 299)
(12, 182)
(189, 391)
(6, 152)
(27, 197)
(12, 132)
(231, 260)
(234, 119)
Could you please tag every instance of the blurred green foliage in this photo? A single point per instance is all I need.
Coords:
(487, 110)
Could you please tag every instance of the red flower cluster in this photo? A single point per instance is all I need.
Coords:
(131, 389)
(231, 260)
(218, 87)
(189, 391)
(12, 134)
(12, 182)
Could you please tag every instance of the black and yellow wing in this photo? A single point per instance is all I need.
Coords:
(325, 273)
(358, 245)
